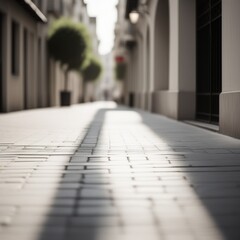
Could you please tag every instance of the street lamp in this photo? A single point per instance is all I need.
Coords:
(134, 16)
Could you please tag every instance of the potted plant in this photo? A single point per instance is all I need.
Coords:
(91, 71)
(120, 70)
(68, 43)
(120, 74)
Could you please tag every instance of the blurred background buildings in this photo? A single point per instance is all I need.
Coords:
(28, 77)
(182, 58)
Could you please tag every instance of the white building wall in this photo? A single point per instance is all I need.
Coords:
(174, 46)
(171, 98)
(230, 96)
(14, 84)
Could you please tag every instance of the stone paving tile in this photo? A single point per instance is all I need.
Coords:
(115, 174)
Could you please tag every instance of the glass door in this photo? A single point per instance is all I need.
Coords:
(209, 59)
(1, 62)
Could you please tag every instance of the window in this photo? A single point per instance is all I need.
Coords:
(15, 48)
(1, 62)
(209, 59)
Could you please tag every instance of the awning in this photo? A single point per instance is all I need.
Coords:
(33, 10)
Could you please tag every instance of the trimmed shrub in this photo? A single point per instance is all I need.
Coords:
(69, 43)
(92, 70)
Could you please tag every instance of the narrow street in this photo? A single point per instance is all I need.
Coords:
(101, 172)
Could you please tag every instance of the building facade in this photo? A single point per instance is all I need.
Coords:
(182, 59)
(22, 53)
(28, 77)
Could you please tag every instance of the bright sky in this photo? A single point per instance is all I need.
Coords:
(106, 13)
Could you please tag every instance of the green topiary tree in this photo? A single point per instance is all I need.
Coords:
(91, 71)
(120, 70)
(69, 43)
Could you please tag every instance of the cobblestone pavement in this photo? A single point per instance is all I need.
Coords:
(101, 172)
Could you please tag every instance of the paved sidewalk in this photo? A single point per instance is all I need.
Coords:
(101, 172)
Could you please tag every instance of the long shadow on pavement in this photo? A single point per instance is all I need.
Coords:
(83, 207)
(191, 182)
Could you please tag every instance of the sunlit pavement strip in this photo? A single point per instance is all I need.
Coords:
(101, 172)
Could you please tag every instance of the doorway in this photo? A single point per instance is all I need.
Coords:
(25, 68)
(161, 46)
(39, 77)
(209, 59)
(1, 62)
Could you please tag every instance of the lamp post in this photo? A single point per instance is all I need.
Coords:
(134, 16)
